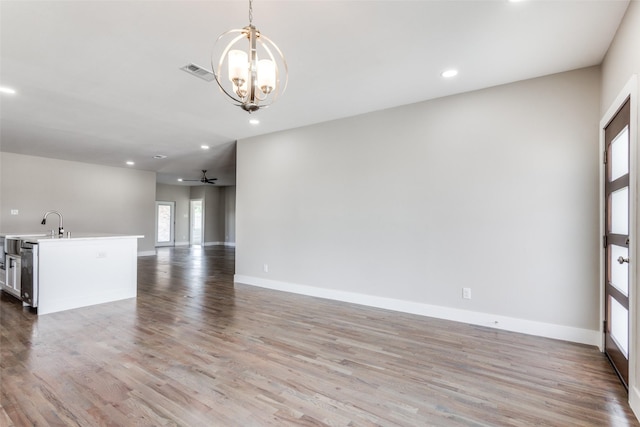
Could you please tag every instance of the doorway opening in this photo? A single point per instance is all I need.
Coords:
(196, 223)
(165, 223)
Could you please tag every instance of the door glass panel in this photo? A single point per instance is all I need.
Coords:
(164, 223)
(620, 154)
(620, 211)
(619, 325)
(619, 272)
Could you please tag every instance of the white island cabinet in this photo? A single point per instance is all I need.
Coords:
(84, 269)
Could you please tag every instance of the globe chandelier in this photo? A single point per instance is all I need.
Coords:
(257, 73)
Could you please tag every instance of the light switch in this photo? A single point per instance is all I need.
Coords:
(14, 211)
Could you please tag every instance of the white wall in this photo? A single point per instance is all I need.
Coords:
(623, 57)
(91, 198)
(496, 190)
(620, 64)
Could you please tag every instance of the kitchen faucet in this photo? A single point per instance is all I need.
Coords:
(60, 226)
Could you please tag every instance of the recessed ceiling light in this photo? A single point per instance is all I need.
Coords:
(7, 90)
(254, 121)
(180, 179)
(204, 147)
(130, 163)
(449, 73)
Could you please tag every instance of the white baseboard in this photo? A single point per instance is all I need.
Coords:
(530, 327)
(220, 244)
(634, 401)
(182, 243)
(147, 253)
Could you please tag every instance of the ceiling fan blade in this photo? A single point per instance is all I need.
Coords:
(203, 179)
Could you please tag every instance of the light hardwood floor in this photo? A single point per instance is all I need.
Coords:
(195, 350)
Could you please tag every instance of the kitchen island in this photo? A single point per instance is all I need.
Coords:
(81, 269)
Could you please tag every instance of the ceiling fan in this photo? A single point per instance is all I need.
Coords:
(204, 178)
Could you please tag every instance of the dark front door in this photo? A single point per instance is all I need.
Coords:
(617, 198)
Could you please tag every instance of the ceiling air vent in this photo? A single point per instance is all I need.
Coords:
(198, 71)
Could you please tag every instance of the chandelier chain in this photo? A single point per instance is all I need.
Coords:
(250, 12)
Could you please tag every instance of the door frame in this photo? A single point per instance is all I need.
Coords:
(173, 223)
(630, 91)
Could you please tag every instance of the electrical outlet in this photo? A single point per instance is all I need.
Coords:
(466, 293)
(102, 254)
(265, 268)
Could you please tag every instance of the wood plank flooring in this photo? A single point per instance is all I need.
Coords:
(195, 350)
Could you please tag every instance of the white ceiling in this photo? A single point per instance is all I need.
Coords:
(100, 81)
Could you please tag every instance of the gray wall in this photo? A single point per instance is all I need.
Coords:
(91, 198)
(230, 214)
(620, 64)
(496, 190)
(214, 215)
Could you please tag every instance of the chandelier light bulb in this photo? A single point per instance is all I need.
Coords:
(238, 67)
(266, 75)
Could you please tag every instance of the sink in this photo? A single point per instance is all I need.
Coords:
(12, 245)
(13, 242)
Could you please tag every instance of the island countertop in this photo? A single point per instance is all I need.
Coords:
(71, 236)
(80, 236)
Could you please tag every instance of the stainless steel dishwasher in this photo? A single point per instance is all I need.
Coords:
(3, 269)
(29, 276)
